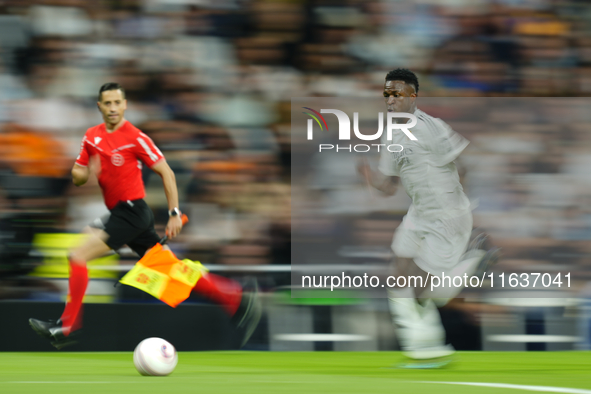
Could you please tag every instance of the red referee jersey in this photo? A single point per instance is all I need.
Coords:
(122, 153)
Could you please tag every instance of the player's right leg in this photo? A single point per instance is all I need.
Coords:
(60, 332)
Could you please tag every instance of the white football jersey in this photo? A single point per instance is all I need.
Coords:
(426, 168)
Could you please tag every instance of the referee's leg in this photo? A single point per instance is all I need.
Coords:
(60, 332)
(92, 248)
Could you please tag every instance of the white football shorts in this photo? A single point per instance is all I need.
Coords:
(436, 246)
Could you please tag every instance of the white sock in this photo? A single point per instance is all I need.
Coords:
(418, 326)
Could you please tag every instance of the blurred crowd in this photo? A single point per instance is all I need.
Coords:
(211, 82)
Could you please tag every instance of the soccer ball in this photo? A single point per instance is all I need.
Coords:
(155, 357)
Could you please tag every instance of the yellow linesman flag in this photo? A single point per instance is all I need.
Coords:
(161, 274)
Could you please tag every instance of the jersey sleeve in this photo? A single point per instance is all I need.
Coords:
(147, 151)
(447, 145)
(82, 159)
(387, 164)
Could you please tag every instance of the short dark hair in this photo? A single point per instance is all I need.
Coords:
(405, 75)
(110, 86)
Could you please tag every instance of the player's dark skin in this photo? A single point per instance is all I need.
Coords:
(399, 97)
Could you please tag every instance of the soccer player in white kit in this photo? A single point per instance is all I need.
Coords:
(435, 233)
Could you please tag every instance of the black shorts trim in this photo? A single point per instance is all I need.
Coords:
(129, 223)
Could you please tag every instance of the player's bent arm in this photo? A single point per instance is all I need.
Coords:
(384, 183)
(80, 175)
(461, 170)
(387, 184)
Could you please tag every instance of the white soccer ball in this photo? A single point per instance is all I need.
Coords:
(155, 357)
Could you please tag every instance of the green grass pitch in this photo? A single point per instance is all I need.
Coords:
(293, 372)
